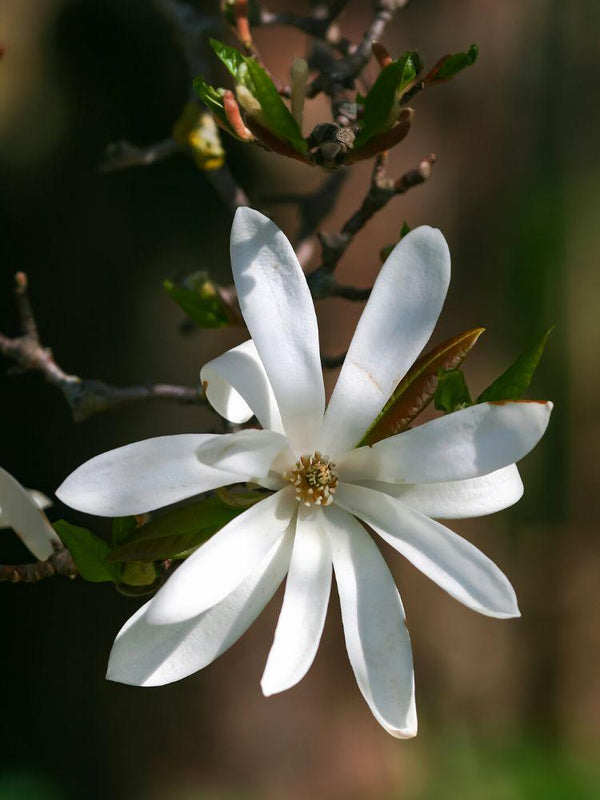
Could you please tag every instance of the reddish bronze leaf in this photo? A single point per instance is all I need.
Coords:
(385, 140)
(415, 391)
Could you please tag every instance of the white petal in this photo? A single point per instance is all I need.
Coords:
(304, 609)
(466, 444)
(237, 386)
(152, 655)
(40, 499)
(453, 563)
(21, 512)
(394, 327)
(280, 315)
(220, 565)
(143, 476)
(377, 639)
(250, 453)
(458, 499)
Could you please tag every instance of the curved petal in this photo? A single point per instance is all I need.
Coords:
(220, 565)
(280, 315)
(143, 476)
(453, 563)
(21, 512)
(394, 327)
(375, 630)
(458, 499)
(304, 609)
(250, 453)
(237, 387)
(465, 444)
(40, 499)
(152, 655)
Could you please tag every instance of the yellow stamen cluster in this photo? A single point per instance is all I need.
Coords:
(314, 480)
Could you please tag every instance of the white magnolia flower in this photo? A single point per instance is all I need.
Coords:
(459, 465)
(22, 510)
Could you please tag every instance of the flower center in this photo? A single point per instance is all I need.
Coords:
(314, 480)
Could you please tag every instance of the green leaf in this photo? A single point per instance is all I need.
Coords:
(515, 381)
(382, 101)
(405, 229)
(138, 573)
(233, 60)
(274, 115)
(452, 392)
(213, 100)
(198, 297)
(448, 66)
(416, 390)
(176, 531)
(122, 527)
(89, 552)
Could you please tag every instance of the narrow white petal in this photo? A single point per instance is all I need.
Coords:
(394, 327)
(453, 563)
(304, 609)
(466, 444)
(152, 655)
(143, 476)
(250, 452)
(21, 512)
(237, 386)
(280, 315)
(474, 497)
(220, 565)
(375, 630)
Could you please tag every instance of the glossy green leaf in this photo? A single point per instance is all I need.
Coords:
(274, 114)
(176, 531)
(122, 527)
(515, 381)
(213, 100)
(448, 66)
(381, 105)
(452, 392)
(233, 60)
(416, 390)
(90, 553)
(198, 297)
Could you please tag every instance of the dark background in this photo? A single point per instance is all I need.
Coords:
(508, 710)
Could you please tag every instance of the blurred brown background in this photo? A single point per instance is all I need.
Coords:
(508, 710)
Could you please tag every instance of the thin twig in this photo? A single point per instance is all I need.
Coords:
(60, 563)
(313, 208)
(123, 155)
(341, 75)
(320, 24)
(381, 190)
(84, 396)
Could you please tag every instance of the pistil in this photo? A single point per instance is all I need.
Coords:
(314, 480)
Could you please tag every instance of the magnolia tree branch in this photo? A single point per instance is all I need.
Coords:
(123, 155)
(85, 397)
(320, 24)
(60, 563)
(381, 191)
(337, 77)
